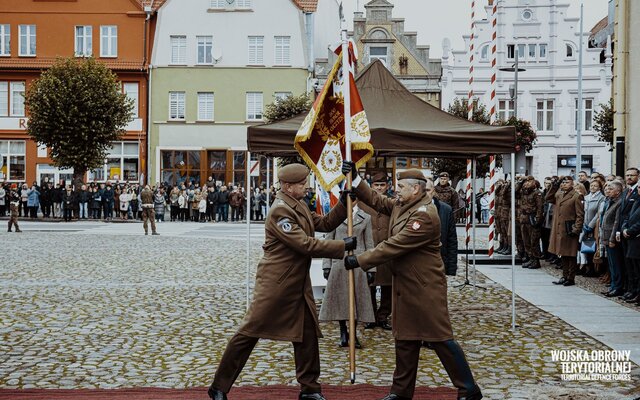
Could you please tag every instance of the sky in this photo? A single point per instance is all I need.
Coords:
(435, 20)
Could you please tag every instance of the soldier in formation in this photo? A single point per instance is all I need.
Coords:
(445, 192)
(531, 218)
(14, 203)
(503, 216)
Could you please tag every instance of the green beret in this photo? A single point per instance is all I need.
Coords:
(380, 176)
(412, 174)
(293, 173)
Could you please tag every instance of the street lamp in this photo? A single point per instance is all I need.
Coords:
(513, 91)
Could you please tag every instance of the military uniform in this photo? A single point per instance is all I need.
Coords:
(148, 211)
(503, 216)
(283, 307)
(447, 194)
(419, 289)
(14, 202)
(519, 217)
(380, 228)
(531, 218)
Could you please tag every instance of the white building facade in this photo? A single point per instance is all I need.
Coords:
(547, 40)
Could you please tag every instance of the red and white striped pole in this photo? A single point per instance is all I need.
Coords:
(492, 119)
(469, 204)
(471, 50)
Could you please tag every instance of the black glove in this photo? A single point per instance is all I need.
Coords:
(326, 272)
(572, 234)
(349, 167)
(350, 243)
(351, 262)
(371, 276)
(343, 196)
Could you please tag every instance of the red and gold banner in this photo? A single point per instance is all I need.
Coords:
(321, 138)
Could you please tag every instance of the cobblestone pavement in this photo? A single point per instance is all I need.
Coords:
(89, 310)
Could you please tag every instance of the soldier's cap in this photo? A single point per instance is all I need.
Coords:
(380, 176)
(443, 175)
(293, 173)
(566, 178)
(412, 174)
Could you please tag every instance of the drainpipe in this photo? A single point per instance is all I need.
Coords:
(309, 33)
(149, 11)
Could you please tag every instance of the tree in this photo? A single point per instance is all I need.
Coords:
(526, 137)
(77, 109)
(285, 108)
(603, 124)
(457, 167)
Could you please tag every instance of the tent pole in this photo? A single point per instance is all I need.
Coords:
(268, 188)
(513, 242)
(473, 217)
(248, 179)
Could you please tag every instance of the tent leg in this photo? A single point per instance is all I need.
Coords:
(248, 191)
(513, 242)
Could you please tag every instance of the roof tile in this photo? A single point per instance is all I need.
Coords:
(306, 5)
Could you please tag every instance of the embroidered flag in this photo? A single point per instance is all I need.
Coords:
(320, 140)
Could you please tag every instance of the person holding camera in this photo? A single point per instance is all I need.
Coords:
(567, 224)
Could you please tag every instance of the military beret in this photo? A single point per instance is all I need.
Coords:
(412, 174)
(14, 186)
(293, 173)
(443, 174)
(380, 176)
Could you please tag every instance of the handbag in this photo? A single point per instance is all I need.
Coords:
(588, 245)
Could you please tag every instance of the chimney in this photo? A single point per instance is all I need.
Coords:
(490, 2)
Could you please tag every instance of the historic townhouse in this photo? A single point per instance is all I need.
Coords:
(32, 34)
(546, 36)
(216, 64)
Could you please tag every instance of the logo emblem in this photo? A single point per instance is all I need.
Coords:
(415, 226)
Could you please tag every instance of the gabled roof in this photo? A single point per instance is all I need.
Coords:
(155, 4)
(306, 5)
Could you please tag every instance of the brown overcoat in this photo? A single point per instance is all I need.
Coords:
(380, 228)
(419, 289)
(283, 286)
(569, 207)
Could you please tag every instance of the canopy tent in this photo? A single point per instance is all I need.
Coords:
(401, 124)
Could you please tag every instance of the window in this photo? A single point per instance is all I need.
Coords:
(542, 51)
(176, 105)
(5, 40)
(256, 44)
(511, 51)
(544, 115)
(178, 49)
(521, 51)
(587, 116)
(83, 41)
(13, 153)
(121, 163)
(217, 160)
(205, 106)
(17, 99)
(179, 166)
(378, 53)
(281, 95)
(243, 3)
(27, 40)
(108, 41)
(4, 99)
(218, 3)
(569, 51)
(532, 52)
(131, 90)
(283, 50)
(484, 52)
(527, 15)
(254, 106)
(205, 49)
(506, 109)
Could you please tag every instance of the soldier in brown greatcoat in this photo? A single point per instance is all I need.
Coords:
(382, 276)
(283, 307)
(420, 312)
(14, 202)
(531, 221)
(568, 218)
(148, 210)
(519, 242)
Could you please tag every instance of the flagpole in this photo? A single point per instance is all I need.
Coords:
(346, 81)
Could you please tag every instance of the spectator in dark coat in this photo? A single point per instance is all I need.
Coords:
(448, 237)
(69, 200)
(631, 232)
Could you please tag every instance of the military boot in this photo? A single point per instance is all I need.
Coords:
(535, 264)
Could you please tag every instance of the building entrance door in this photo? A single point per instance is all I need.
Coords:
(54, 174)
